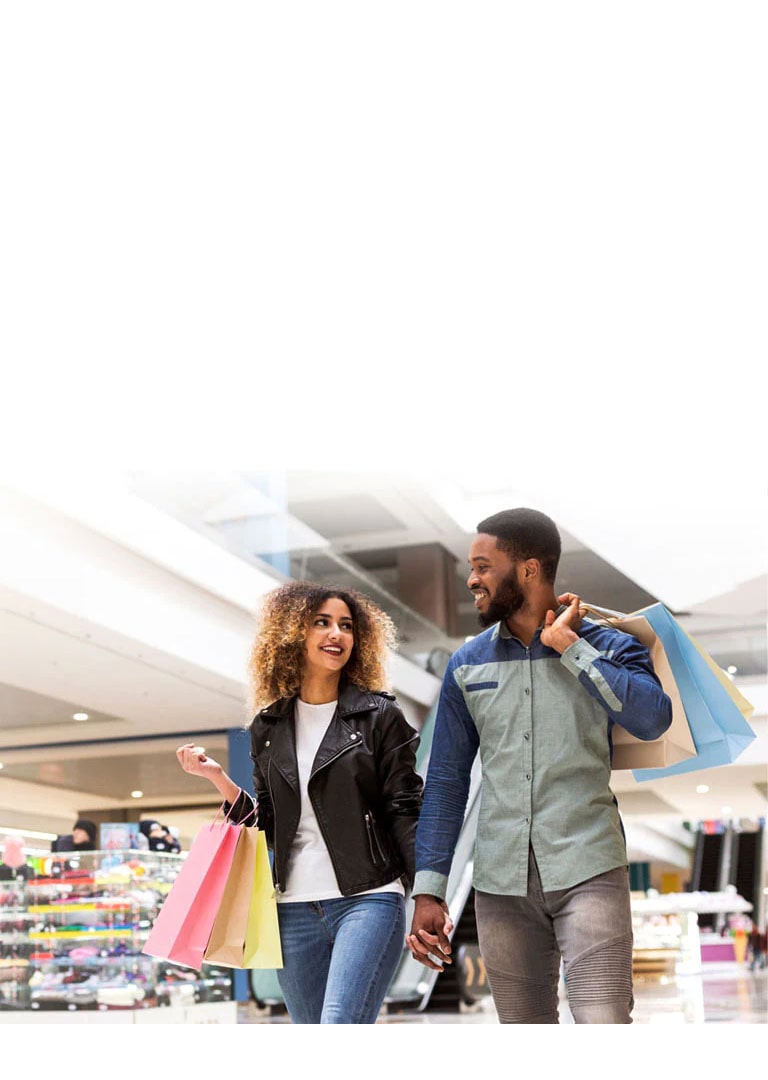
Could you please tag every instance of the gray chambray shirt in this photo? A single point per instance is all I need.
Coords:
(542, 724)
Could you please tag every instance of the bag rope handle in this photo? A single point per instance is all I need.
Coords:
(250, 813)
(603, 612)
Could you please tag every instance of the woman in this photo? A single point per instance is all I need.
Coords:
(159, 837)
(337, 794)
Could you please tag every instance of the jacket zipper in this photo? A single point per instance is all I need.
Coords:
(377, 855)
(278, 885)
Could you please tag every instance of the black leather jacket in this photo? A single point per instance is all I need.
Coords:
(364, 788)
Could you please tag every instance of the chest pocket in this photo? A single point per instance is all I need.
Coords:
(484, 701)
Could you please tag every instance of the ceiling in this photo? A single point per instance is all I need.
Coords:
(369, 530)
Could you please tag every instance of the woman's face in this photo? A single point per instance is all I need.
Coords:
(330, 637)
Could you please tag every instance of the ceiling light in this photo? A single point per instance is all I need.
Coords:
(137, 794)
(702, 789)
(732, 669)
(80, 716)
(726, 809)
(1, 765)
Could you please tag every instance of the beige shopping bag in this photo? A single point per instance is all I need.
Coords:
(676, 744)
(227, 941)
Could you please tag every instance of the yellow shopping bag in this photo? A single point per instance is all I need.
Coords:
(262, 936)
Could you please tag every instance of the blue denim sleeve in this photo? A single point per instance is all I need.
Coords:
(616, 669)
(454, 747)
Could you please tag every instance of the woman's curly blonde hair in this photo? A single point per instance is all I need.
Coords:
(277, 655)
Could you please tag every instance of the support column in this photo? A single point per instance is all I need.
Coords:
(427, 583)
(240, 768)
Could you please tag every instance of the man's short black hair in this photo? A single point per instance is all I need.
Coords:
(526, 534)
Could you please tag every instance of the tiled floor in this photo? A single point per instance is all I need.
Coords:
(727, 993)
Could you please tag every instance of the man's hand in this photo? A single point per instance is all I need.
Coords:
(428, 939)
(560, 632)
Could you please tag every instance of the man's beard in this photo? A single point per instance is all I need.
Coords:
(508, 600)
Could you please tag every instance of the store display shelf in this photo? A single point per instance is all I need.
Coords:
(71, 934)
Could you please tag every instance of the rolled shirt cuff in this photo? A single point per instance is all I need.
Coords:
(579, 656)
(431, 883)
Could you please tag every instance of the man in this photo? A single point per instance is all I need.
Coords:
(537, 693)
(82, 837)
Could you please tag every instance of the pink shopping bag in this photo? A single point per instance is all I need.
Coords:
(183, 925)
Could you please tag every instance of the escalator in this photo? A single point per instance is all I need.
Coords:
(749, 858)
(705, 876)
(413, 984)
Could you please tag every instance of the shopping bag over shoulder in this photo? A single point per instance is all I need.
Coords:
(227, 940)
(262, 941)
(717, 712)
(183, 925)
(676, 744)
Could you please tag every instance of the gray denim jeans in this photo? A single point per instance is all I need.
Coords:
(523, 938)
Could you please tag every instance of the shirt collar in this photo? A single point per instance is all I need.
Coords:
(505, 632)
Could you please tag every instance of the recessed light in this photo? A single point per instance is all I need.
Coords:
(80, 716)
(702, 789)
(726, 809)
(732, 669)
(137, 794)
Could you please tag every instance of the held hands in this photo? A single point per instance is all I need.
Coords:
(560, 632)
(428, 939)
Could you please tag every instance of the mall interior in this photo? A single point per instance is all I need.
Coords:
(127, 613)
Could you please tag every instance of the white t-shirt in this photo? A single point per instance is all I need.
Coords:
(310, 870)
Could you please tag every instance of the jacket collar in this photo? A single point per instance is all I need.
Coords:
(352, 699)
(340, 734)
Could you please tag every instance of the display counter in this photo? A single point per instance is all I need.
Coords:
(72, 926)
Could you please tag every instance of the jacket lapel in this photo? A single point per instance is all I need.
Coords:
(281, 743)
(342, 733)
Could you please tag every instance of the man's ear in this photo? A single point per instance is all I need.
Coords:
(531, 569)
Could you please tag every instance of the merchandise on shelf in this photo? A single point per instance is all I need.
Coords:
(72, 926)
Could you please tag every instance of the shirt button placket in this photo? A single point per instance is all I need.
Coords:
(527, 742)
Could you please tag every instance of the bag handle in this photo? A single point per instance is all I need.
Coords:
(250, 813)
(602, 611)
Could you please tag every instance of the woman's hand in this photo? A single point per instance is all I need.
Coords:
(193, 759)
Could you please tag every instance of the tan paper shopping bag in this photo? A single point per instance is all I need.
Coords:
(676, 744)
(746, 708)
(227, 940)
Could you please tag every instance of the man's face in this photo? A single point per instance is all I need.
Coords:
(493, 581)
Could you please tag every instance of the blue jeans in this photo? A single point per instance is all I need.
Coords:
(339, 956)
(523, 938)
